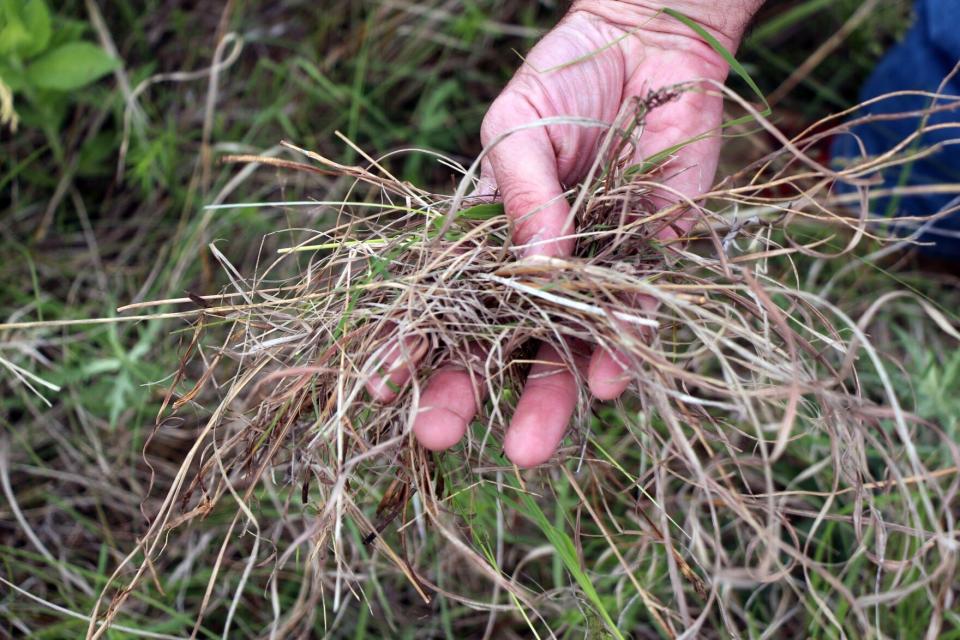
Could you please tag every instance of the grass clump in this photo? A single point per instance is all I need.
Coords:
(622, 508)
(763, 476)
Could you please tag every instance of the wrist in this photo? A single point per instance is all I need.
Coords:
(726, 20)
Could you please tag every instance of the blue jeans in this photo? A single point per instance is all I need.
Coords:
(928, 54)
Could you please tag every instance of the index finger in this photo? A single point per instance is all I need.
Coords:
(524, 165)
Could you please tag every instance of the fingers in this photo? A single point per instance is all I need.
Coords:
(446, 408)
(690, 170)
(448, 405)
(394, 368)
(524, 166)
(486, 186)
(609, 375)
(543, 412)
(686, 174)
(450, 399)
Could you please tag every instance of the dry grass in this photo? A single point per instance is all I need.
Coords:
(763, 418)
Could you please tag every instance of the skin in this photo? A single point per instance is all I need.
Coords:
(529, 168)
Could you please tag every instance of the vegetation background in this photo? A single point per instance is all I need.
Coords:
(102, 189)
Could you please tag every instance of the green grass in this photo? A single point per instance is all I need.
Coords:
(385, 79)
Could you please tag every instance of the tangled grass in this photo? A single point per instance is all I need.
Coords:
(762, 478)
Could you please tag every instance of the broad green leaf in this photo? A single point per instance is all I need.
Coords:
(70, 66)
(11, 77)
(9, 11)
(13, 36)
(36, 19)
(68, 30)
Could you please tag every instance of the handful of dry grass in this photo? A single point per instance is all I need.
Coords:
(708, 503)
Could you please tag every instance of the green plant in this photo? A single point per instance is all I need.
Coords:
(44, 65)
(79, 470)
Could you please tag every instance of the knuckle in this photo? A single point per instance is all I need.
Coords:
(519, 201)
(513, 107)
(497, 119)
(554, 383)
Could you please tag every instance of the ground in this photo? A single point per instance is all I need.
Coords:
(102, 191)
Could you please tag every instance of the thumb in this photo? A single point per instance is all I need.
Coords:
(524, 165)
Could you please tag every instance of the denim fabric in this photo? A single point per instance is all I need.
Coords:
(928, 54)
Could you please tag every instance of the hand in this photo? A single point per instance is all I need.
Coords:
(530, 167)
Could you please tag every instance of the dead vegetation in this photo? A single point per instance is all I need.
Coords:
(763, 419)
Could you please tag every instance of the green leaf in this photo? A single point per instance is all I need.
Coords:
(70, 66)
(13, 36)
(24, 27)
(36, 19)
(68, 30)
(11, 77)
(482, 211)
(563, 546)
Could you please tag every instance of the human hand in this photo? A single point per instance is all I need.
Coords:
(529, 169)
